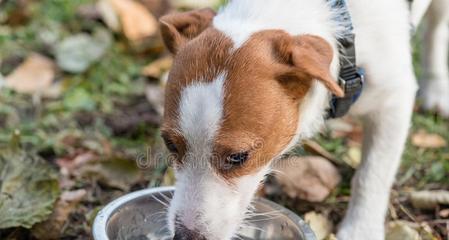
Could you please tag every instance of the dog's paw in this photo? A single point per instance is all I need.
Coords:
(435, 96)
(361, 230)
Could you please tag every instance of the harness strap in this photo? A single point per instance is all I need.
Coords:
(351, 77)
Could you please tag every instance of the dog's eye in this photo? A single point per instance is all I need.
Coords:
(170, 146)
(237, 158)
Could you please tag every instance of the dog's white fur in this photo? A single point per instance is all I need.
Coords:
(204, 203)
(203, 200)
(435, 88)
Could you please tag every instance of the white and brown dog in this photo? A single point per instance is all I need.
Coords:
(251, 81)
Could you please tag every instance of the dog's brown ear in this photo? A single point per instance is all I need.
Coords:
(310, 58)
(178, 28)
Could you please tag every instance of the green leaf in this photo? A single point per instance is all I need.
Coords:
(28, 189)
(79, 99)
(77, 53)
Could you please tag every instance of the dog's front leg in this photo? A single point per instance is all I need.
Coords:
(385, 133)
(435, 87)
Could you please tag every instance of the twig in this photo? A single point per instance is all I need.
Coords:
(407, 212)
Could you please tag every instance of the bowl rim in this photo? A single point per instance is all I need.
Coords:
(101, 219)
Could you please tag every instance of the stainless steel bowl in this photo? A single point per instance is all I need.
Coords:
(141, 216)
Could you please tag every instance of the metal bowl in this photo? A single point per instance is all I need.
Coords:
(141, 216)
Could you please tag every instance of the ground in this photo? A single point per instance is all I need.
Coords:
(96, 131)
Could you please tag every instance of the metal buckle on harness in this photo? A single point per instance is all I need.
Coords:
(351, 81)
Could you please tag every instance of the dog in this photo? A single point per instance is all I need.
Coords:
(249, 82)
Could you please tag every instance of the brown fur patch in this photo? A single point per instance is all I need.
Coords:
(260, 116)
(178, 28)
(201, 60)
(266, 80)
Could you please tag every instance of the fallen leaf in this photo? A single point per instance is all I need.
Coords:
(426, 232)
(353, 156)
(117, 172)
(89, 11)
(444, 213)
(196, 3)
(310, 178)
(429, 199)
(28, 189)
(50, 35)
(320, 224)
(76, 53)
(35, 74)
(399, 230)
(109, 15)
(136, 21)
(130, 118)
(51, 228)
(428, 140)
(155, 95)
(70, 164)
(331, 237)
(158, 67)
(157, 7)
(20, 13)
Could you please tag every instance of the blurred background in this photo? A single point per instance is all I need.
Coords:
(81, 97)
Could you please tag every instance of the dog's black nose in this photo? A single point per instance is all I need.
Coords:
(183, 233)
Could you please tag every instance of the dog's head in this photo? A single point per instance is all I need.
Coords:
(228, 112)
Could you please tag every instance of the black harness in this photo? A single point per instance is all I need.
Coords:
(351, 77)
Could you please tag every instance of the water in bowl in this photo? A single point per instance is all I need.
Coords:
(144, 218)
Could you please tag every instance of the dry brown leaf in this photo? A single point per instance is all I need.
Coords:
(34, 75)
(136, 21)
(320, 224)
(116, 172)
(69, 164)
(444, 213)
(429, 199)
(400, 230)
(428, 140)
(51, 228)
(309, 178)
(427, 232)
(20, 13)
(157, 68)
